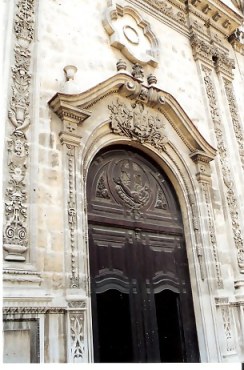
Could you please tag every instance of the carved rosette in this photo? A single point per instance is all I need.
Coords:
(225, 166)
(15, 236)
(135, 122)
(235, 118)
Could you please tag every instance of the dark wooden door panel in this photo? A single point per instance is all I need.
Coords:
(140, 283)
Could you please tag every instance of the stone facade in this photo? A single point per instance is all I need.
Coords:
(71, 71)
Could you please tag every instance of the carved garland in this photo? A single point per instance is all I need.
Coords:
(235, 118)
(227, 177)
(15, 229)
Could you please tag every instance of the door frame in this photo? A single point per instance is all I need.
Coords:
(185, 187)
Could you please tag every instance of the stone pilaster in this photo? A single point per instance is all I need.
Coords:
(203, 175)
(70, 138)
(16, 212)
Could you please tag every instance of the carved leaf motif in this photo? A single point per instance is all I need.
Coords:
(102, 191)
(77, 335)
(161, 202)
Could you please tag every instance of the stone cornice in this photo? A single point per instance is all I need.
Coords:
(132, 88)
(174, 13)
(216, 13)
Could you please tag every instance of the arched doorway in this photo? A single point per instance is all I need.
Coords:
(142, 308)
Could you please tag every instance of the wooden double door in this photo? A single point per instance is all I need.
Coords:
(142, 307)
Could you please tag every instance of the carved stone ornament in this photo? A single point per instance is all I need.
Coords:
(131, 34)
(225, 309)
(137, 123)
(15, 238)
(77, 336)
(226, 168)
(235, 118)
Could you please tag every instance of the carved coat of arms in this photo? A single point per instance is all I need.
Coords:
(136, 123)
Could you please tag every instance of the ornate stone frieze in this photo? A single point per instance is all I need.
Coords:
(166, 9)
(226, 168)
(171, 12)
(131, 34)
(222, 17)
(235, 118)
(33, 310)
(137, 123)
(22, 277)
(15, 237)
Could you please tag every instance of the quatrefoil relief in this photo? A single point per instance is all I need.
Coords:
(131, 34)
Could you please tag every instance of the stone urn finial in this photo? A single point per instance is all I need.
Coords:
(70, 72)
(70, 87)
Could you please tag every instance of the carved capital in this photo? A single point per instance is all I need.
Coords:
(203, 173)
(201, 49)
(71, 116)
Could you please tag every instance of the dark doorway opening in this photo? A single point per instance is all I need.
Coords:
(114, 327)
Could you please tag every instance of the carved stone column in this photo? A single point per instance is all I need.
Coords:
(16, 212)
(70, 139)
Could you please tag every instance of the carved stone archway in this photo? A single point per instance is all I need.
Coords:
(123, 110)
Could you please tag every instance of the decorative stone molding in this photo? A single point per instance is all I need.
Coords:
(33, 310)
(72, 117)
(203, 176)
(202, 161)
(16, 239)
(222, 17)
(201, 49)
(235, 118)
(20, 276)
(226, 168)
(129, 87)
(212, 234)
(131, 34)
(76, 327)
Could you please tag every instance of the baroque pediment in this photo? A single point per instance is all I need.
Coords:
(135, 110)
